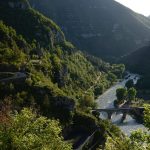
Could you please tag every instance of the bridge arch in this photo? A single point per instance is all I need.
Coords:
(123, 111)
(104, 115)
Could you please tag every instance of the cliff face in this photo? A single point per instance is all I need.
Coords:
(139, 61)
(31, 24)
(21, 4)
(101, 27)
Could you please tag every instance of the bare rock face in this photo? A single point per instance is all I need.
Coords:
(56, 37)
(22, 4)
(59, 37)
(44, 31)
(103, 28)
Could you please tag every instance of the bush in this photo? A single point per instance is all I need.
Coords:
(27, 131)
(131, 94)
(98, 90)
(87, 101)
(121, 94)
(85, 121)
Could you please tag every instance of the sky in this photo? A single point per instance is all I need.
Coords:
(139, 6)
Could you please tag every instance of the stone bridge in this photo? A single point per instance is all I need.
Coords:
(131, 111)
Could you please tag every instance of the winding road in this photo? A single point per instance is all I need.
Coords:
(15, 76)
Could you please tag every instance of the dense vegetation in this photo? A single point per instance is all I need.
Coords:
(104, 28)
(60, 71)
(139, 140)
(133, 60)
(27, 131)
(39, 69)
(128, 97)
(138, 62)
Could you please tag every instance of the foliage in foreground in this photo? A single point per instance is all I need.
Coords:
(147, 116)
(139, 140)
(26, 130)
(53, 72)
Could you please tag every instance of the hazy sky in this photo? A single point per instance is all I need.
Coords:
(140, 6)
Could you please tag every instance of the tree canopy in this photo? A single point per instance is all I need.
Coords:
(26, 130)
(121, 93)
(132, 94)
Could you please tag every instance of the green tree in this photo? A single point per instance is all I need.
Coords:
(121, 94)
(147, 115)
(27, 131)
(139, 140)
(98, 90)
(87, 101)
(111, 77)
(132, 94)
(129, 84)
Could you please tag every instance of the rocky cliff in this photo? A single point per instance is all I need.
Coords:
(102, 27)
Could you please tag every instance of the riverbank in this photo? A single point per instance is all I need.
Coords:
(106, 100)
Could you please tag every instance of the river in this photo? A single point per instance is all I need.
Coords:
(106, 100)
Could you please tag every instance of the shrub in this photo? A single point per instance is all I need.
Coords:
(27, 131)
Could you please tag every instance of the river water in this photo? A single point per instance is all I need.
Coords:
(106, 100)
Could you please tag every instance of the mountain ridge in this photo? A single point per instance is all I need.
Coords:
(41, 71)
(54, 67)
(102, 27)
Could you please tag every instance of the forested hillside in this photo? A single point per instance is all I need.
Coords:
(42, 71)
(139, 62)
(39, 47)
(104, 28)
(48, 88)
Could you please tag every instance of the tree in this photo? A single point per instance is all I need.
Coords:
(132, 94)
(121, 93)
(111, 77)
(87, 101)
(27, 130)
(139, 140)
(129, 84)
(147, 115)
(98, 90)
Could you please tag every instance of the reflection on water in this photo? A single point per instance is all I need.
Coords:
(106, 101)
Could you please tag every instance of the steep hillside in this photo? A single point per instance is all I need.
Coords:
(31, 24)
(52, 71)
(102, 27)
(139, 60)
(39, 69)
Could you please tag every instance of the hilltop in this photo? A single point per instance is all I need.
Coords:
(104, 28)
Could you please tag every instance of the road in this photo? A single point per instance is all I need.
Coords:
(16, 76)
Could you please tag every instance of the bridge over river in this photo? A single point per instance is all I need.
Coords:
(130, 111)
(106, 104)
